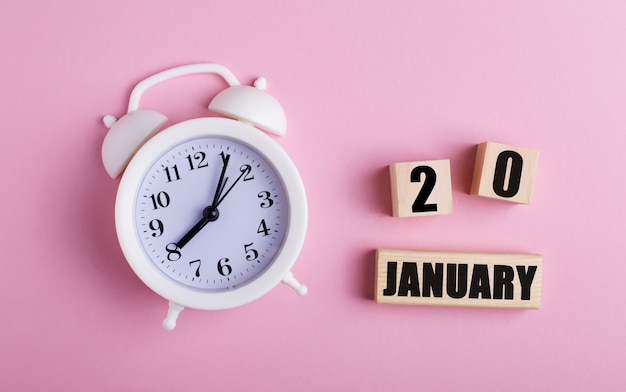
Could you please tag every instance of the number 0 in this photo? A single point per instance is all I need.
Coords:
(514, 173)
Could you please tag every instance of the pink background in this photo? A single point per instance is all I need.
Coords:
(364, 84)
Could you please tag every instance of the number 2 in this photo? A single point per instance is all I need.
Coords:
(430, 178)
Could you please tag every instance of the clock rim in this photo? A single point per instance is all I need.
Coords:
(143, 160)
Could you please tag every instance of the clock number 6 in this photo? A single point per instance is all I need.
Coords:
(223, 268)
(419, 205)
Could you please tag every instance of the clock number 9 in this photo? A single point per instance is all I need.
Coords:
(157, 226)
(223, 268)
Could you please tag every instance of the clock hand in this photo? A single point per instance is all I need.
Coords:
(221, 198)
(210, 214)
(222, 182)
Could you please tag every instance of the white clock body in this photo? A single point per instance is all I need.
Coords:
(234, 259)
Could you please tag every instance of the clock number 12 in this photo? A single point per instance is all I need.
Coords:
(198, 161)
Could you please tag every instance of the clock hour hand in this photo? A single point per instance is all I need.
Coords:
(209, 214)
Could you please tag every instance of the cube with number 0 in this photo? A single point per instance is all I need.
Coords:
(504, 172)
(421, 188)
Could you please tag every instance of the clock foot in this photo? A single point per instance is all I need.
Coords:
(292, 282)
(172, 314)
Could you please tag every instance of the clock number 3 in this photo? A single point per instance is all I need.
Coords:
(267, 201)
(430, 178)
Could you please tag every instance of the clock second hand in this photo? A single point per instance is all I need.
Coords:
(221, 197)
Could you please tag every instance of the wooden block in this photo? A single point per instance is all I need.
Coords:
(491, 280)
(421, 188)
(504, 172)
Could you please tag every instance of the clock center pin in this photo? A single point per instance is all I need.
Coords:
(211, 213)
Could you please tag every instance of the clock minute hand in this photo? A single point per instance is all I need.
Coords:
(222, 182)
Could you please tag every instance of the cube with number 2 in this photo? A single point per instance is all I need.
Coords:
(421, 188)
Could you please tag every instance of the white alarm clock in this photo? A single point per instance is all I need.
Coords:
(210, 213)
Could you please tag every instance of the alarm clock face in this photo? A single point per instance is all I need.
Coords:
(243, 218)
(205, 209)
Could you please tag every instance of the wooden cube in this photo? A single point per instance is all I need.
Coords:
(421, 188)
(504, 172)
(493, 280)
